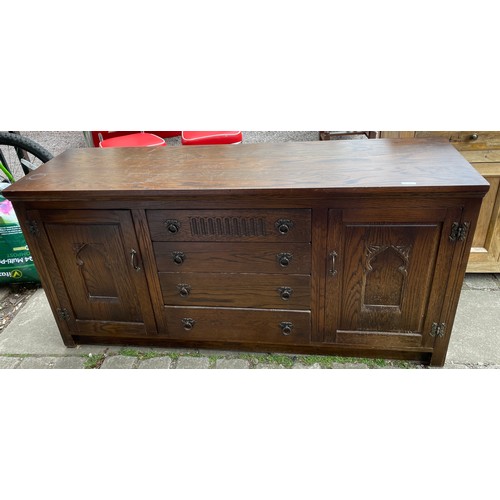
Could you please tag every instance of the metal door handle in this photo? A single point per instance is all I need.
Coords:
(333, 256)
(134, 260)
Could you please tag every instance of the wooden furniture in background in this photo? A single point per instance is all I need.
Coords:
(326, 136)
(482, 150)
(353, 248)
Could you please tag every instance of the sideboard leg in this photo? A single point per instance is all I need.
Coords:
(438, 359)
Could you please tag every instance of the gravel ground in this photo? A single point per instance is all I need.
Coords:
(57, 142)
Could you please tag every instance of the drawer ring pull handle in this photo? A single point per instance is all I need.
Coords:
(188, 323)
(184, 289)
(283, 225)
(285, 292)
(172, 226)
(284, 259)
(133, 260)
(286, 328)
(178, 257)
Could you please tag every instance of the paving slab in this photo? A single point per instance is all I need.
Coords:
(232, 364)
(34, 331)
(192, 363)
(9, 362)
(300, 366)
(352, 366)
(476, 332)
(70, 363)
(161, 362)
(119, 363)
(477, 281)
(38, 363)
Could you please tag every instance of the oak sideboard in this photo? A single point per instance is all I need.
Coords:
(355, 248)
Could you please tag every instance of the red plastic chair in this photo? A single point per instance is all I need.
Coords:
(95, 137)
(139, 140)
(205, 138)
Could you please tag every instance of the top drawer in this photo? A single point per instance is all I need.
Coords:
(230, 225)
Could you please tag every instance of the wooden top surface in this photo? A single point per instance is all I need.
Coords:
(355, 166)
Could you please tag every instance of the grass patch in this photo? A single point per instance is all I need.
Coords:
(134, 353)
(328, 361)
(129, 352)
(213, 360)
(404, 364)
(95, 361)
(141, 355)
(323, 361)
(372, 362)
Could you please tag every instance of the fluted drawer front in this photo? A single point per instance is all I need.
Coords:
(230, 225)
(236, 290)
(239, 325)
(283, 258)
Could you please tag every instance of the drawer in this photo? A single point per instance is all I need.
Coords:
(266, 291)
(464, 141)
(238, 325)
(284, 258)
(230, 225)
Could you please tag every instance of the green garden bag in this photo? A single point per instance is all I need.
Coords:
(16, 262)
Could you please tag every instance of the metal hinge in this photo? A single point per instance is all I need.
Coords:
(438, 329)
(63, 314)
(32, 227)
(459, 231)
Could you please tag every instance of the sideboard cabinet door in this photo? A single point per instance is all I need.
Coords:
(95, 254)
(385, 280)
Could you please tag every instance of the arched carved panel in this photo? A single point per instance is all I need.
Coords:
(95, 270)
(385, 275)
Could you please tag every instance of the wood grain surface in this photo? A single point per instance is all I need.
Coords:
(354, 166)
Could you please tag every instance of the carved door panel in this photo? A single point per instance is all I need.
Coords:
(383, 284)
(97, 256)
